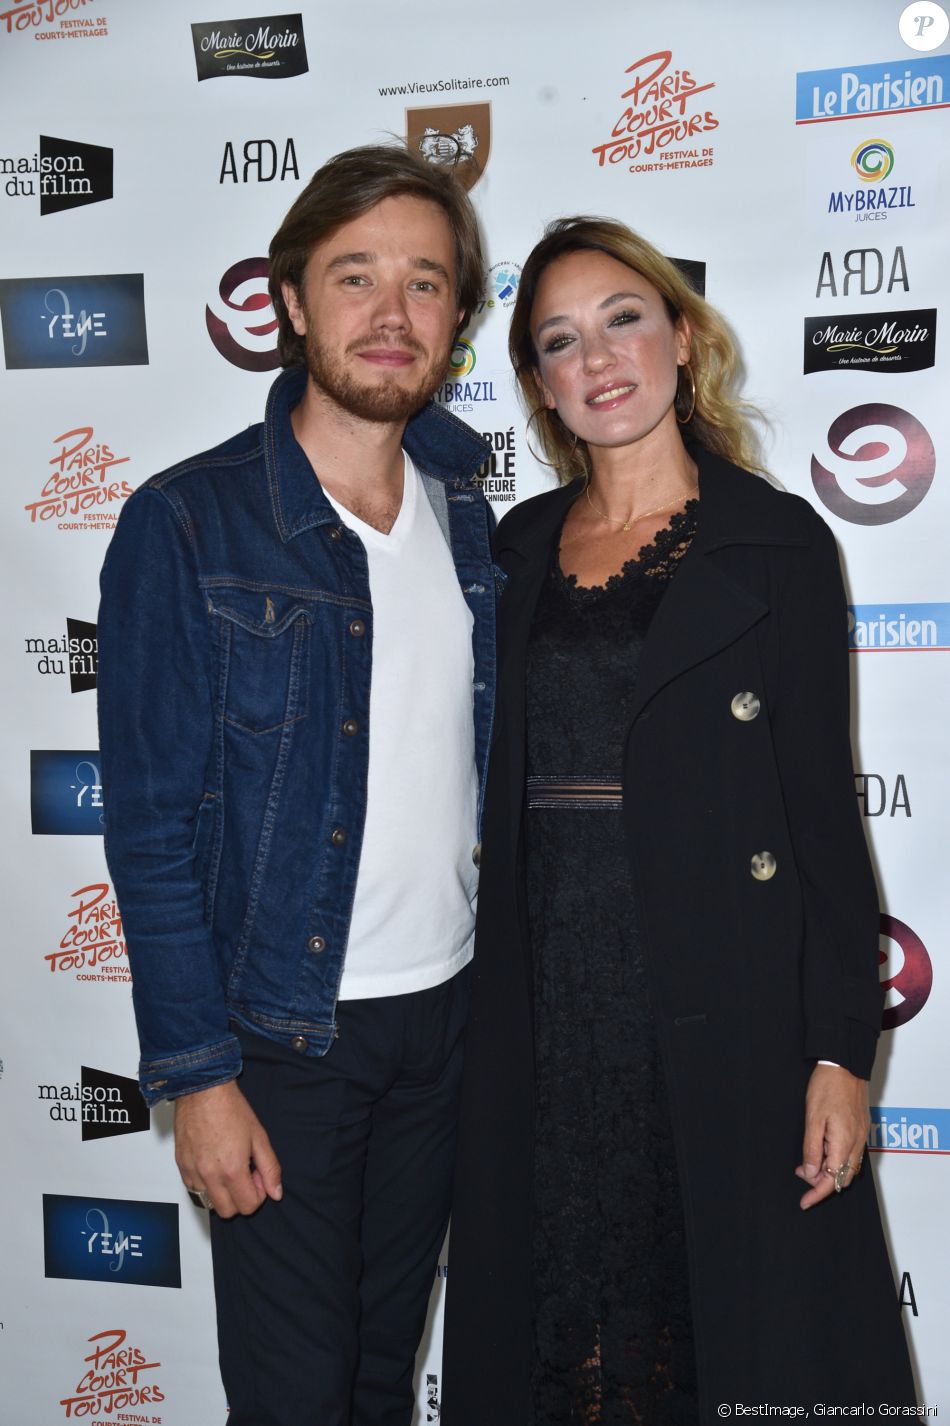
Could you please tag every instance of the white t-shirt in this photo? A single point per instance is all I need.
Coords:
(413, 918)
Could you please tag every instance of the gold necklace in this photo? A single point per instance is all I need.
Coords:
(631, 520)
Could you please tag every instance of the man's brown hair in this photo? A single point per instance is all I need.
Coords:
(349, 185)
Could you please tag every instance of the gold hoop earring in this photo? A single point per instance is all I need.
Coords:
(685, 420)
(551, 465)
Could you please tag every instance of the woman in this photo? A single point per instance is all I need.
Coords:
(676, 997)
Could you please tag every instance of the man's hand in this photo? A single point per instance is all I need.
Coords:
(221, 1147)
(836, 1130)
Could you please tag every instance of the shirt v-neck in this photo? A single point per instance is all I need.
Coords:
(401, 526)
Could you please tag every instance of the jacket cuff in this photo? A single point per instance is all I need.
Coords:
(175, 1075)
(850, 1044)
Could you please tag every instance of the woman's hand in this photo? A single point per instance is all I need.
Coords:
(836, 1131)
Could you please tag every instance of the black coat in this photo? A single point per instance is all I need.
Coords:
(752, 980)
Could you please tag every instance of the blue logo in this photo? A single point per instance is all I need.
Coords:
(900, 86)
(111, 1240)
(65, 794)
(73, 321)
(898, 626)
(909, 1131)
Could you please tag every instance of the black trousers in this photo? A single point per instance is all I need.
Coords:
(322, 1297)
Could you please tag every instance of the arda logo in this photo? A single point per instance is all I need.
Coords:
(242, 325)
(906, 972)
(878, 467)
(865, 269)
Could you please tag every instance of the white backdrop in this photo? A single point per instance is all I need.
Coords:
(838, 227)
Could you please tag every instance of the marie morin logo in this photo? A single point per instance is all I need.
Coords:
(272, 47)
(886, 342)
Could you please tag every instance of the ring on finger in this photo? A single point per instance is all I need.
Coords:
(840, 1174)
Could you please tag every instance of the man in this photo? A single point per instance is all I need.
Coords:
(296, 690)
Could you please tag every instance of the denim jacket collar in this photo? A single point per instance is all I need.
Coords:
(436, 441)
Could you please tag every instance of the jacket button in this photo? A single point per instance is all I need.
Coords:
(357, 628)
(477, 854)
(299, 1043)
(338, 836)
(351, 727)
(316, 944)
(745, 707)
(763, 866)
(336, 533)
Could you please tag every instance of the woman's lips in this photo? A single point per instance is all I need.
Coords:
(606, 398)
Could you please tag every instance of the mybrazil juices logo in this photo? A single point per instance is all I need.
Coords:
(901, 86)
(872, 161)
(909, 1131)
(462, 358)
(906, 972)
(878, 465)
(459, 391)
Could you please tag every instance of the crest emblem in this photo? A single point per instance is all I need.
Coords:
(456, 136)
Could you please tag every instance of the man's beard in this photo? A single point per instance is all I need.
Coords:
(384, 401)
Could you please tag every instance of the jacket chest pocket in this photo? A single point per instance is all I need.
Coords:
(264, 640)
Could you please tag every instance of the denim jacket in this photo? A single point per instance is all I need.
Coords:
(235, 639)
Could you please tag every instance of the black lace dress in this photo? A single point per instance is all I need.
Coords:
(613, 1334)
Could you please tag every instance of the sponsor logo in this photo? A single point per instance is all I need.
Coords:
(259, 160)
(879, 465)
(433, 1409)
(876, 797)
(895, 87)
(111, 1240)
(906, 972)
(76, 652)
(242, 324)
(866, 266)
(63, 174)
(456, 136)
(92, 948)
(460, 393)
(103, 1104)
(117, 1379)
(694, 271)
(73, 321)
(65, 794)
(872, 161)
(445, 86)
(270, 48)
(873, 341)
(884, 627)
(662, 113)
(501, 288)
(909, 1131)
(924, 25)
(79, 484)
(37, 14)
(497, 476)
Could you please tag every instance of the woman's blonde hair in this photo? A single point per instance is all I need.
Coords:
(718, 419)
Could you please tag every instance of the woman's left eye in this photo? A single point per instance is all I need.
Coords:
(620, 319)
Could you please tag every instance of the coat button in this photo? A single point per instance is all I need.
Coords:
(357, 628)
(338, 836)
(745, 707)
(316, 944)
(299, 1043)
(351, 727)
(477, 854)
(763, 866)
(335, 532)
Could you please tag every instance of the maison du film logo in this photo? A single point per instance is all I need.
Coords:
(45, 18)
(272, 47)
(72, 322)
(66, 793)
(862, 272)
(872, 161)
(80, 491)
(102, 1104)
(455, 136)
(62, 174)
(258, 161)
(906, 972)
(664, 122)
(241, 323)
(92, 947)
(115, 1377)
(74, 654)
(878, 465)
(895, 87)
(882, 342)
(117, 1240)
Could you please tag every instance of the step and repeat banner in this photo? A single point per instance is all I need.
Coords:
(796, 158)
